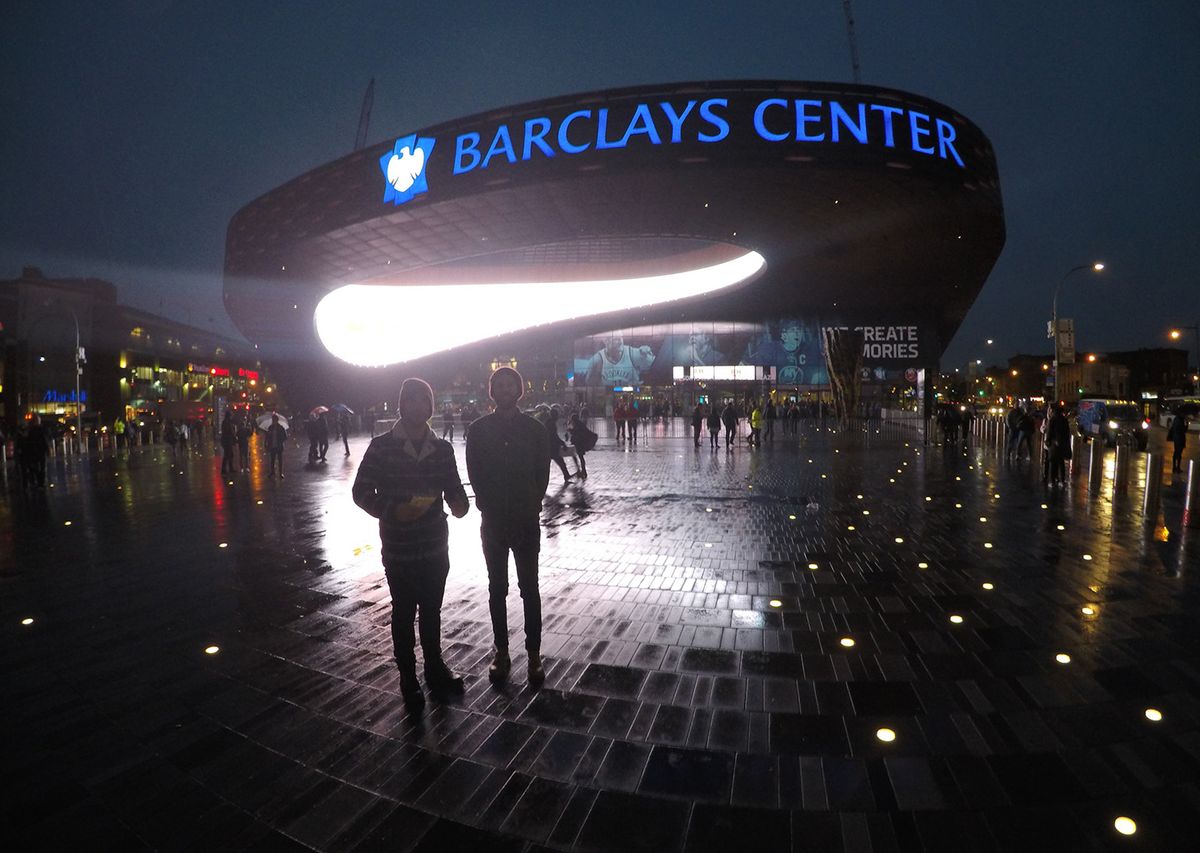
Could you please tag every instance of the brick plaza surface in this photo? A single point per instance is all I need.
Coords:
(702, 690)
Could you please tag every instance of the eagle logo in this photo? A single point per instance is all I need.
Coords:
(404, 168)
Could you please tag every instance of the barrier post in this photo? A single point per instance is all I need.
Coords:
(1152, 495)
(1191, 507)
(1096, 465)
(1121, 471)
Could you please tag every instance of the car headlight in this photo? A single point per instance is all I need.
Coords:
(1112, 424)
(1145, 424)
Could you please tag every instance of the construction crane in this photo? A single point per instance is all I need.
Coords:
(364, 117)
(853, 41)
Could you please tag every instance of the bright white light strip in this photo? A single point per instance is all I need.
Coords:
(378, 325)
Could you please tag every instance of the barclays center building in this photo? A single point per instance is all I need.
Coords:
(675, 242)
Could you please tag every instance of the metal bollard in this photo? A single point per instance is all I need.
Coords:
(1152, 495)
(1096, 465)
(1191, 507)
(1121, 471)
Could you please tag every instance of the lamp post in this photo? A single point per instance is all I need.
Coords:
(79, 361)
(1097, 267)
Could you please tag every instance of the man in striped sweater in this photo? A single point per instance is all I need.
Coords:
(402, 480)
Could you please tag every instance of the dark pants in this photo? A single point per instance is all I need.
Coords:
(714, 437)
(729, 431)
(1177, 457)
(523, 538)
(1058, 466)
(227, 464)
(620, 430)
(696, 432)
(770, 428)
(417, 586)
(276, 456)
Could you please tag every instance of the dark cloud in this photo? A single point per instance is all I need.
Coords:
(133, 131)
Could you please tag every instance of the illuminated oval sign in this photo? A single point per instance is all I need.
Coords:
(811, 121)
(377, 325)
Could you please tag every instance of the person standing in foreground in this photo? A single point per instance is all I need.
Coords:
(402, 480)
(508, 463)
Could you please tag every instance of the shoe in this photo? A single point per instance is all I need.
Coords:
(410, 692)
(281, 475)
(441, 679)
(500, 667)
(537, 675)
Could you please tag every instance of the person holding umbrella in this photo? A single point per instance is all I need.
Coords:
(276, 429)
(402, 480)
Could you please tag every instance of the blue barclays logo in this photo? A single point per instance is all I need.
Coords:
(404, 168)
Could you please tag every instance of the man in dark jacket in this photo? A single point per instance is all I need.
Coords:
(508, 462)
(1177, 434)
(402, 480)
(730, 417)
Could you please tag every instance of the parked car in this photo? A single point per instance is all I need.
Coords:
(1113, 420)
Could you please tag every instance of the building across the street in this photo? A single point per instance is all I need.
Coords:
(678, 241)
(135, 365)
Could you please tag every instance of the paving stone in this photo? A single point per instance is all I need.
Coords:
(700, 688)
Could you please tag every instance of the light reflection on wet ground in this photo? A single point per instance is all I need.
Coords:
(711, 622)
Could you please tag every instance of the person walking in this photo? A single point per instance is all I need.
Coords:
(119, 433)
(582, 439)
(1058, 444)
(619, 419)
(697, 423)
(402, 480)
(276, 439)
(33, 445)
(1013, 422)
(729, 417)
(508, 463)
(343, 426)
(447, 422)
(756, 420)
(557, 445)
(769, 415)
(244, 430)
(714, 427)
(322, 436)
(310, 430)
(1177, 434)
(633, 416)
(228, 442)
(171, 436)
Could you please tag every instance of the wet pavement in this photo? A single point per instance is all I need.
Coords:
(727, 638)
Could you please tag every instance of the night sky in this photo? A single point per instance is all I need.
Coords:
(132, 131)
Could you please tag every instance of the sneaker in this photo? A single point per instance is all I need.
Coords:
(537, 675)
(500, 667)
(441, 679)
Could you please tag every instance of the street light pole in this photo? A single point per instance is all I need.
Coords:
(1054, 315)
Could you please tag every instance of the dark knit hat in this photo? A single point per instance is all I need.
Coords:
(510, 371)
(416, 387)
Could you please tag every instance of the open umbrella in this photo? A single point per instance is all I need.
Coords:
(264, 421)
(318, 410)
(342, 407)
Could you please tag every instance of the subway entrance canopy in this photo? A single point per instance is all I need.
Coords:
(703, 201)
